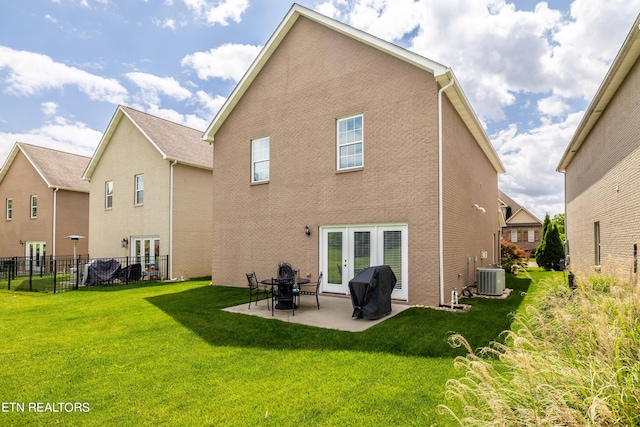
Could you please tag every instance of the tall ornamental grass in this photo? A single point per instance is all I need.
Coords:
(570, 359)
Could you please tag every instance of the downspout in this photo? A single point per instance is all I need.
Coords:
(440, 202)
(170, 266)
(55, 215)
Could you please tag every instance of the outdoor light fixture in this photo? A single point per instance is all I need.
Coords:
(21, 242)
(480, 208)
(307, 231)
(125, 242)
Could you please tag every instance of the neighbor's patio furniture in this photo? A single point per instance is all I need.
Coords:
(311, 288)
(256, 289)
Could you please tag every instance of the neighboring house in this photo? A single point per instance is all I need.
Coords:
(44, 199)
(602, 171)
(326, 157)
(148, 195)
(520, 226)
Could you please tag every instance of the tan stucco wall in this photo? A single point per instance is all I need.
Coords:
(192, 225)
(22, 181)
(315, 77)
(128, 154)
(601, 184)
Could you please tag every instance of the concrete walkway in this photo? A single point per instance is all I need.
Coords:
(335, 313)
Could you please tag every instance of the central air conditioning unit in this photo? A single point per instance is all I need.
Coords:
(490, 281)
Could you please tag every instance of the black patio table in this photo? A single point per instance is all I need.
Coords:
(285, 290)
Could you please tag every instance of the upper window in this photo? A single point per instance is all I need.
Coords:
(260, 159)
(139, 189)
(531, 236)
(108, 194)
(9, 209)
(34, 206)
(350, 137)
(514, 236)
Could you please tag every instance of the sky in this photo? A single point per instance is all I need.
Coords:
(528, 68)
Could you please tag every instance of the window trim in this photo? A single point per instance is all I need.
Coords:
(255, 161)
(108, 195)
(138, 193)
(531, 236)
(514, 233)
(352, 143)
(34, 206)
(9, 209)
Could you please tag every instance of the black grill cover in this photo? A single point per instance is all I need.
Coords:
(371, 292)
(101, 271)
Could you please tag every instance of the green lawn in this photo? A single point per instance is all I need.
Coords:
(165, 354)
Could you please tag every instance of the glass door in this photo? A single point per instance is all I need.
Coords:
(35, 253)
(334, 260)
(145, 251)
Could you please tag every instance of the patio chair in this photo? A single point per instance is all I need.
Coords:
(311, 288)
(256, 290)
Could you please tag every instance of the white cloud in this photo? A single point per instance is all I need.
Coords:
(190, 120)
(227, 62)
(50, 18)
(552, 106)
(210, 105)
(151, 87)
(30, 73)
(49, 108)
(221, 12)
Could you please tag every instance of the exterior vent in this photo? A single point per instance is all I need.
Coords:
(490, 281)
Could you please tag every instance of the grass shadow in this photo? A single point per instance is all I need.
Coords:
(414, 332)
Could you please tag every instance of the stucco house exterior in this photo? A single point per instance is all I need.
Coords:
(520, 226)
(146, 195)
(601, 167)
(44, 199)
(327, 157)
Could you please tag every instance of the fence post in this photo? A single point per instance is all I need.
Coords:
(10, 272)
(55, 275)
(30, 273)
(77, 273)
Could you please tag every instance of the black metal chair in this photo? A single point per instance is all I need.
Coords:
(311, 288)
(256, 290)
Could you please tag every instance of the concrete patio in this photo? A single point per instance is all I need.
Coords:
(335, 313)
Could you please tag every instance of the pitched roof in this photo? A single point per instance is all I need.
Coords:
(442, 74)
(173, 141)
(523, 217)
(508, 201)
(622, 64)
(56, 168)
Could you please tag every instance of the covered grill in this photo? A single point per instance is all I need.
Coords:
(371, 292)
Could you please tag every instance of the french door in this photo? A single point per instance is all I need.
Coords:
(145, 250)
(35, 253)
(345, 251)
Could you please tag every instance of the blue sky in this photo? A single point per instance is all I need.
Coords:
(528, 68)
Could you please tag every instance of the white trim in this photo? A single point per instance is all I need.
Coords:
(338, 146)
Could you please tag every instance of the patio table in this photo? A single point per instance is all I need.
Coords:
(285, 291)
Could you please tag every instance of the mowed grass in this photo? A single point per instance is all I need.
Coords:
(165, 354)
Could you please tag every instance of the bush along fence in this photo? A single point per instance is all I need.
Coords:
(63, 273)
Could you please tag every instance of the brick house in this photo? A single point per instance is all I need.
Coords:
(145, 198)
(520, 226)
(327, 157)
(601, 171)
(44, 200)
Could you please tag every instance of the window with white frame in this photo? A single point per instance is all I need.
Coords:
(9, 209)
(531, 236)
(260, 159)
(350, 142)
(139, 189)
(34, 206)
(108, 194)
(514, 236)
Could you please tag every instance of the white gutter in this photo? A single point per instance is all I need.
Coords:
(170, 266)
(55, 214)
(440, 208)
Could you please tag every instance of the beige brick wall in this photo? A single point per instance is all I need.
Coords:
(601, 185)
(315, 77)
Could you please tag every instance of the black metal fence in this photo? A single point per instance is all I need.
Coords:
(63, 273)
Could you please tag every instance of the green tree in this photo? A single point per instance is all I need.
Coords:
(545, 228)
(558, 220)
(553, 250)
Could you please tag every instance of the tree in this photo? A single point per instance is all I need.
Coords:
(545, 228)
(553, 251)
(558, 220)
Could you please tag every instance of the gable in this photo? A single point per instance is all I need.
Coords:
(523, 216)
(432, 70)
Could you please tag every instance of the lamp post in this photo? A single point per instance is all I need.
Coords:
(74, 238)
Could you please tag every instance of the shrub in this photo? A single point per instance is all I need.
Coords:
(511, 255)
(571, 360)
(549, 257)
